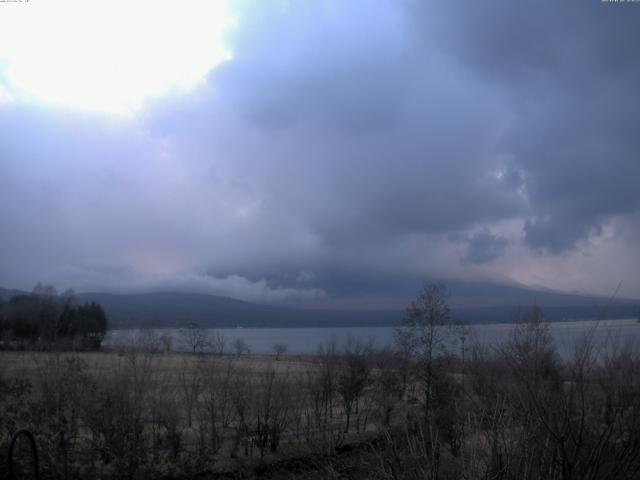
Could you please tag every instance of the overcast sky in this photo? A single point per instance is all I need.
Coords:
(320, 152)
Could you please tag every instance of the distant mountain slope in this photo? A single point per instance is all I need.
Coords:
(468, 294)
(7, 293)
(178, 309)
(480, 305)
(472, 302)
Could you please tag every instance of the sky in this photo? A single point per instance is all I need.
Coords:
(321, 152)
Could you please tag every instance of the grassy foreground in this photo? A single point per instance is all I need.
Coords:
(132, 413)
(513, 411)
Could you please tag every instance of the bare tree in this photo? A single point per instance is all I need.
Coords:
(462, 332)
(240, 346)
(68, 294)
(195, 337)
(218, 342)
(166, 341)
(148, 340)
(271, 410)
(388, 376)
(279, 349)
(353, 377)
(190, 378)
(321, 388)
(45, 290)
(216, 408)
(422, 334)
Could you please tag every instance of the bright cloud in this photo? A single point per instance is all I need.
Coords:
(110, 55)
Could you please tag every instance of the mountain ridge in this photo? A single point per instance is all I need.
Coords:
(471, 303)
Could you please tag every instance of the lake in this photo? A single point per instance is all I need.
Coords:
(306, 340)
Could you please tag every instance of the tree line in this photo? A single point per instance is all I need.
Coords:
(46, 317)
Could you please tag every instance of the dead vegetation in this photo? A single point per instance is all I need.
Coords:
(514, 411)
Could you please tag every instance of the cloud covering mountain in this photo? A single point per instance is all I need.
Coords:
(346, 152)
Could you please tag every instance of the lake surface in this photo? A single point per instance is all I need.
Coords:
(306, 340)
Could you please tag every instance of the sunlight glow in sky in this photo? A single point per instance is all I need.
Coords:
(110, 55)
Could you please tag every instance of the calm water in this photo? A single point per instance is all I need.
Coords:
(306, 340)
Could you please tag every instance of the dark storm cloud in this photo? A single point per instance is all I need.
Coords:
(357, 128)
(348, 149)
(485, 246)
(571, 73)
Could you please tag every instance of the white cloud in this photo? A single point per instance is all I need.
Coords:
(234, 286)
(110, 55)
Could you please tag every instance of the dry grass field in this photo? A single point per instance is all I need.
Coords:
(517, 411)
(133, 410)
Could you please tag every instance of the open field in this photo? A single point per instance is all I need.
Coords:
(169, 366)
(132, 410)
